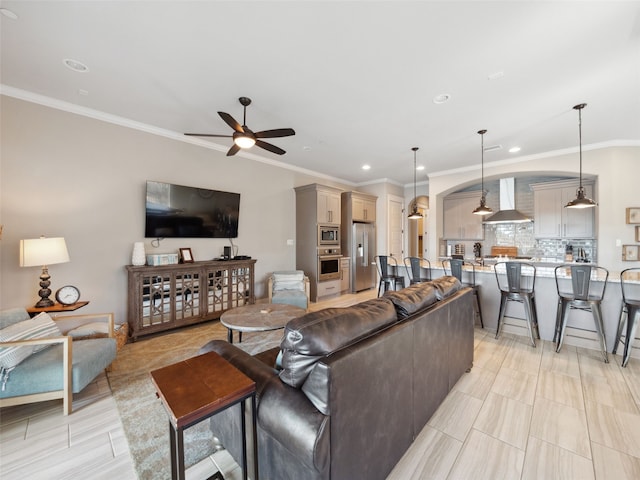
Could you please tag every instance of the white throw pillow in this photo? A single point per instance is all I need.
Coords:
(40, 326)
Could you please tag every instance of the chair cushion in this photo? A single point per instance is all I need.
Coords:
(90, 330)
(42, 372)
(290, 297)
(41, 326)
(316, 334)
(293, 280)
(12, 315)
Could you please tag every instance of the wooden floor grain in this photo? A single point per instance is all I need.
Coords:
(520, 413)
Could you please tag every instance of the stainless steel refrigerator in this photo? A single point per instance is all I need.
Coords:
(363, 248)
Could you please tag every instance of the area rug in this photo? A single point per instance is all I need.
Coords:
(144, 418)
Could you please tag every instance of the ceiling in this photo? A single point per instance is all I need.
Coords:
(356, 80)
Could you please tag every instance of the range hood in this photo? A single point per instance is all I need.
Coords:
(507, 212)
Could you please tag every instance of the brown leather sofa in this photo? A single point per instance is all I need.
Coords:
(356, 385)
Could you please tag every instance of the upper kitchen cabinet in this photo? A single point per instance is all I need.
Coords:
(359, 207)
(328, 205)
(460, 223)
(552, 219)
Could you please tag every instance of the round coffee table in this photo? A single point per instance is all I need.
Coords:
(259, 317)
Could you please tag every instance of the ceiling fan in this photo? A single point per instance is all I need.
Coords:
(243, 137)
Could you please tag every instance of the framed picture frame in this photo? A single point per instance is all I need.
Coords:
(185, 255)
(633, 215)
(630, 253)
(637, 234)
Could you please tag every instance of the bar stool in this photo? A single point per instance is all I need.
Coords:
(516, 281)
(630, 312)
(454, 267)
(388, 271)
(583, 294)
(415, 267)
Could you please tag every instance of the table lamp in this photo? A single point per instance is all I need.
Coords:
(43, 252)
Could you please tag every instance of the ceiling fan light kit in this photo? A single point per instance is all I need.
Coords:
(244, 137)
(482, 209)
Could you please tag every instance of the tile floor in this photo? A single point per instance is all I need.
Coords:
(521, 413)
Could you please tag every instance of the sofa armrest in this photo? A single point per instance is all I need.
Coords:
(67, 323)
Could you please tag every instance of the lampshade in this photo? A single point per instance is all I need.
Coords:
(415, 214)
(482, 209)
(43, 251)
(580, 201)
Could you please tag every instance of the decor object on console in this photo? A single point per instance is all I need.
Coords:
(482, 209)
(383, 365)
(43, 359)
(43, 252)
(415, 214)
(581, 201)
(138, 257)
(186, 256)
(291, 288)
(243, 137)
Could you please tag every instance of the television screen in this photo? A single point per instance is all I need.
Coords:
(189, 212)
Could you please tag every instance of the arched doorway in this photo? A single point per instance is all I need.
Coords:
(417, 229)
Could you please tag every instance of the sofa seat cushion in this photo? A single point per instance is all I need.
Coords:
(40, 326)
(42, 371)
(446, 286)
(316, 334)
(413, 298)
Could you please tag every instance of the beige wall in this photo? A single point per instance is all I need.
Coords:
(68, 175)
(616, 169)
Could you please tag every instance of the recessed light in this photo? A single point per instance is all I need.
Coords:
(83, 92)
(514, 149)
(496, 75)
(442, 98)
(306, 147)
(75, 65)
(366, 167)
(8, 13)
(420, 167)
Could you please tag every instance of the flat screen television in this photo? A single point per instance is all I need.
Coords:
(177, 211)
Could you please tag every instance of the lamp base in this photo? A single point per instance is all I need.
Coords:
(44, 291)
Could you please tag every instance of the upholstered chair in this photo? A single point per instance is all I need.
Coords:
(290, 288)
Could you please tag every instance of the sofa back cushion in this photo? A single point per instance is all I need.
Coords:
(413, 298)
(446, 286)
(293, 280)
(317, 334)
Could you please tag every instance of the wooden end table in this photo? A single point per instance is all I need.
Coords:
(196, 389)
(56, 308)
(259, 317)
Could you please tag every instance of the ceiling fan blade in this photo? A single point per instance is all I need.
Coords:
(231, 122)
(278, 132)
(271, 148)
(207, 135)
(233, 150)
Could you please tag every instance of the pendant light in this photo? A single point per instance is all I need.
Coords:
(482, 209)
(415, 214)
(580, 201)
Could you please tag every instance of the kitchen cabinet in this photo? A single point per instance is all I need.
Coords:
(345, 271)
(328, 207)
(460, 223)
(553, 220)
(358, 207)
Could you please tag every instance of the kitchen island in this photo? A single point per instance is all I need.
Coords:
(580, 326)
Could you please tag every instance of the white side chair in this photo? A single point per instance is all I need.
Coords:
(290, 288)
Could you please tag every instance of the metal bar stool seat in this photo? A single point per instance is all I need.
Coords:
(388, 272)
(583, 294)
(415, 267)
(630, 312)
(454, 267)
(516, 281)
